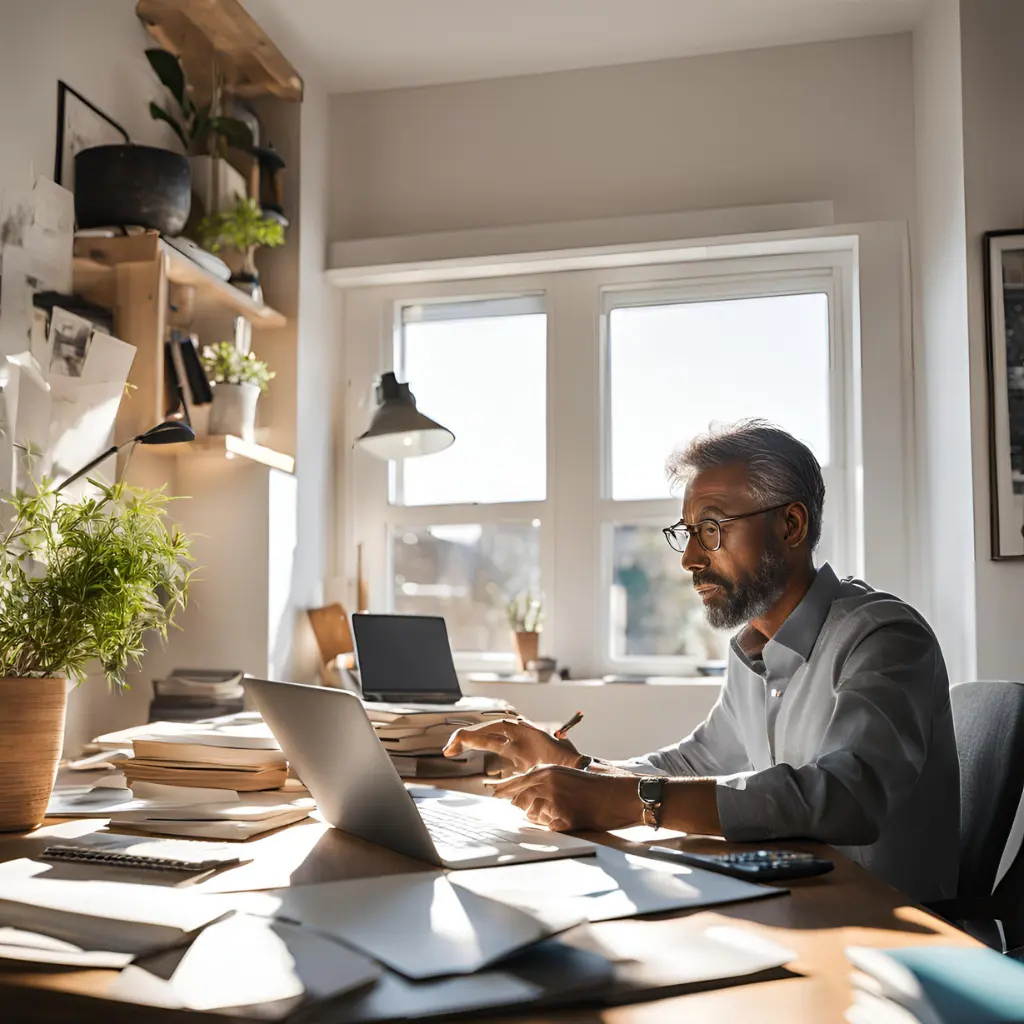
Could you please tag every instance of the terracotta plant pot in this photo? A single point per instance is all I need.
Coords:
(526, 645)
(31, 736)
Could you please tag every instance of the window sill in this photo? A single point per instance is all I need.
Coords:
(484, 678)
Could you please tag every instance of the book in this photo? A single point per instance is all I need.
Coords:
(243, 731)
(118, 917)
(205, 755)
(241, 780)
(437, 766)
(218, 828)
(198, 384)
(943, 984)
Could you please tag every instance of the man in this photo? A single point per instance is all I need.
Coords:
(834, 722)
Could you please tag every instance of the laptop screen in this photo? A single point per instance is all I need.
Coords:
(403, 656)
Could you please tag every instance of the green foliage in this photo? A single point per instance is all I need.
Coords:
(526, 613)
(224, 364)
(85, 580)
(200, 131)
(243, 228)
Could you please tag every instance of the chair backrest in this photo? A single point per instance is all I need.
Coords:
(988, 719)
(333, 636)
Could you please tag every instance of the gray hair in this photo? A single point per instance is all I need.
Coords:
(780, 467)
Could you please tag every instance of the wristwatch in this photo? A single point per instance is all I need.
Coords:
(650, 789)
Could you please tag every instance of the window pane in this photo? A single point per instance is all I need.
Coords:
(468, 573)
(483, 377)
(655, 612)
(675, 369)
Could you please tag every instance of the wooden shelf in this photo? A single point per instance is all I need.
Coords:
(227, 446)
(96, 258)
(207, 32)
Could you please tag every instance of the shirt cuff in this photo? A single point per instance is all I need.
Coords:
(741, 811)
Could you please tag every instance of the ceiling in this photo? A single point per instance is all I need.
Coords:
(358, 45)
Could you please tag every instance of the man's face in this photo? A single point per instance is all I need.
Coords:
(748, 573)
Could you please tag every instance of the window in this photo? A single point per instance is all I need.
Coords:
(674, 368)
(464, 526)
(480, 369)
(566, 393)
(466, 572)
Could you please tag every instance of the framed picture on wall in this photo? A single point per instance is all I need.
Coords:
(80, 124)
(1004, 288)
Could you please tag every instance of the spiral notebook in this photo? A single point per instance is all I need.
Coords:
(147, 854)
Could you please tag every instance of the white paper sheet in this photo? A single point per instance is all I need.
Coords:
(30, 947)
(251, 961)
(419, 924)
(115, 916)
(612, 884)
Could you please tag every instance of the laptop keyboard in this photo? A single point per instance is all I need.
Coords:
(457, 829)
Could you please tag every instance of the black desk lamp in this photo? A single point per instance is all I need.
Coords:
(168, 432)
(398, 429)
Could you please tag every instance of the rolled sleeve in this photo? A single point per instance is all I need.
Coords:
(870, 757)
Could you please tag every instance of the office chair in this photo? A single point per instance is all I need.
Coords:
(988, 719)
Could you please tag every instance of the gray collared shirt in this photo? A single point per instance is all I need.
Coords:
(837, 729)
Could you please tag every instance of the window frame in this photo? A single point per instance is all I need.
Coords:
(577, 513)
(817, 280)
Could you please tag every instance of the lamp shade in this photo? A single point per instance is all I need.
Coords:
(398, 429)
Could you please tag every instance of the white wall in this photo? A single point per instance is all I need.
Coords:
(824, 121)
(317, 399)
(97, 48)
(993, 92)
(942, 362)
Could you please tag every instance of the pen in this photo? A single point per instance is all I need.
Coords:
(575, 720)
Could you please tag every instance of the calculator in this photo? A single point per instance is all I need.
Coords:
(753, 865)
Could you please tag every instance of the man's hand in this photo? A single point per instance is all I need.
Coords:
(565, 800)
(520, 742)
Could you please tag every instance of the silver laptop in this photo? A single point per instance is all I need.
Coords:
(326, 735)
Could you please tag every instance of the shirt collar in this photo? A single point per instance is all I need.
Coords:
(799, 632)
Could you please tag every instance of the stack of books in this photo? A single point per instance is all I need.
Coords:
(935, 985)
(239, 756)
(415, 735)
(190, 694)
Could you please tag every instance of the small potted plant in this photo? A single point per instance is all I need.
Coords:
(238, 381)
(83, 581)
(206, 135)
(244, 229)
(526, 617)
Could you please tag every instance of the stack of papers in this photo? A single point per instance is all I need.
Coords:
(935, 985)
(183, 811)
(64, 919)
(416, 734)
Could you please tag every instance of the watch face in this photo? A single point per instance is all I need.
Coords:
(650, 790)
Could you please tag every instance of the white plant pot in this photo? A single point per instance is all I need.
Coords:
(233, 410)
(217, 185)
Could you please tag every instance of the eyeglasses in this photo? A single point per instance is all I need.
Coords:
(708, 531)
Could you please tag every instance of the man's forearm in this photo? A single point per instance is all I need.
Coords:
(691, 805)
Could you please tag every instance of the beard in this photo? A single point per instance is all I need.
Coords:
(743, 599)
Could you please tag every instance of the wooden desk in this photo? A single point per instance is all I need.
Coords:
(818, 920)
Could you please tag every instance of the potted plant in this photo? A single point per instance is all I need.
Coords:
(526, 617)
(243, 229)
(205, 133)
(238, 381)
(83, 581)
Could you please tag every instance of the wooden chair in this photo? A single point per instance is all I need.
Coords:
(334, 639)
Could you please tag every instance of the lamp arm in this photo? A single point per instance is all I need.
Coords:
(112, 450)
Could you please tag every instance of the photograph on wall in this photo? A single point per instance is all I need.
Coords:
(1004, 277)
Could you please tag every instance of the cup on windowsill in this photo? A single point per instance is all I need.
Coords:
(541, 669)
